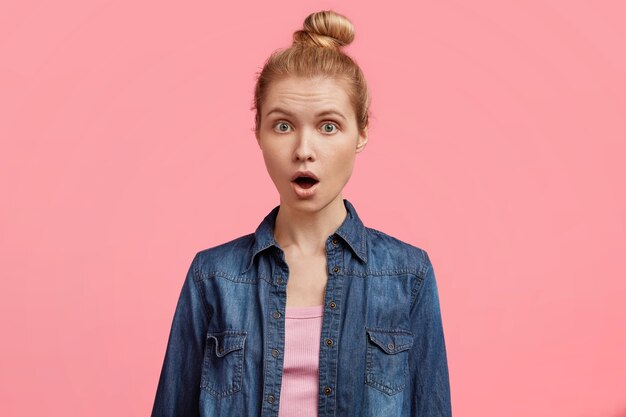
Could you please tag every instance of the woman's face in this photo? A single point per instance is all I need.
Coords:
(309, 125)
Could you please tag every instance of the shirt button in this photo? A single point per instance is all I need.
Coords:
(279, 280)
(391, 346)
(275, 353)
(329, 342)
(335, 241)
(328, 390)
(332, 304)
(276, 314)
(270, 399)
(336, 269)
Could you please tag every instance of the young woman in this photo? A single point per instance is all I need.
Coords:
(313, 314)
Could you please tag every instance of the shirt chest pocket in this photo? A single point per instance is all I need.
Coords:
(222, 368)
(387, 359)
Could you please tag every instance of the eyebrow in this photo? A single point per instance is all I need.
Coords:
(322, 113)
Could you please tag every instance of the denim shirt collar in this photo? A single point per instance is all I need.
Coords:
(352, 231)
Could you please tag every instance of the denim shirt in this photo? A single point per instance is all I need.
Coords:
(382, 348)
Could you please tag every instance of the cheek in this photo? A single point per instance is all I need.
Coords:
(345, 159)
(270, 164)
(273, 162)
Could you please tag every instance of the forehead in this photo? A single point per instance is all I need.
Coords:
(298, 94)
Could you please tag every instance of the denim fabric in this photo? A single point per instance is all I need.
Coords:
(382, 348)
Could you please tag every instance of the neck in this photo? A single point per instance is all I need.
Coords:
(306, 231)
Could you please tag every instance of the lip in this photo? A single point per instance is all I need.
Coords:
(304, 174)
(304, 192)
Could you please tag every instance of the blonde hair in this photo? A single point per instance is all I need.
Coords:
(316, 51)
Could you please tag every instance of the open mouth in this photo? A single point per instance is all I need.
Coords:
(305, 182)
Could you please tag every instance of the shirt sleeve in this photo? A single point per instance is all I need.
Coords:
(178, 390)
(428, 365)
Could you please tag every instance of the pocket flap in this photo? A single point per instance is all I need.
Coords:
(391, 341)
(227, 341)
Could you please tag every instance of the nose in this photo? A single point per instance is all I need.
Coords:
(304, 146)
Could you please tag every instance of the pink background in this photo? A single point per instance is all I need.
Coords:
(497, 144)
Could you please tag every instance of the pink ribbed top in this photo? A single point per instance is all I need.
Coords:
(299, 391)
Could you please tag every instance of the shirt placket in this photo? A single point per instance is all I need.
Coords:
(330, 329)
(275, 337)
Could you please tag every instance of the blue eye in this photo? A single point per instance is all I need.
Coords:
(282, 126)
(332, 125)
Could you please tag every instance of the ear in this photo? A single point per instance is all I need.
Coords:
(361, 141)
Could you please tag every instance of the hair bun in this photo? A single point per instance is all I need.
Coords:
(327, 29)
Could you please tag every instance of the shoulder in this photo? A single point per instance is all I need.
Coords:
(387, 251)
(225, 257)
